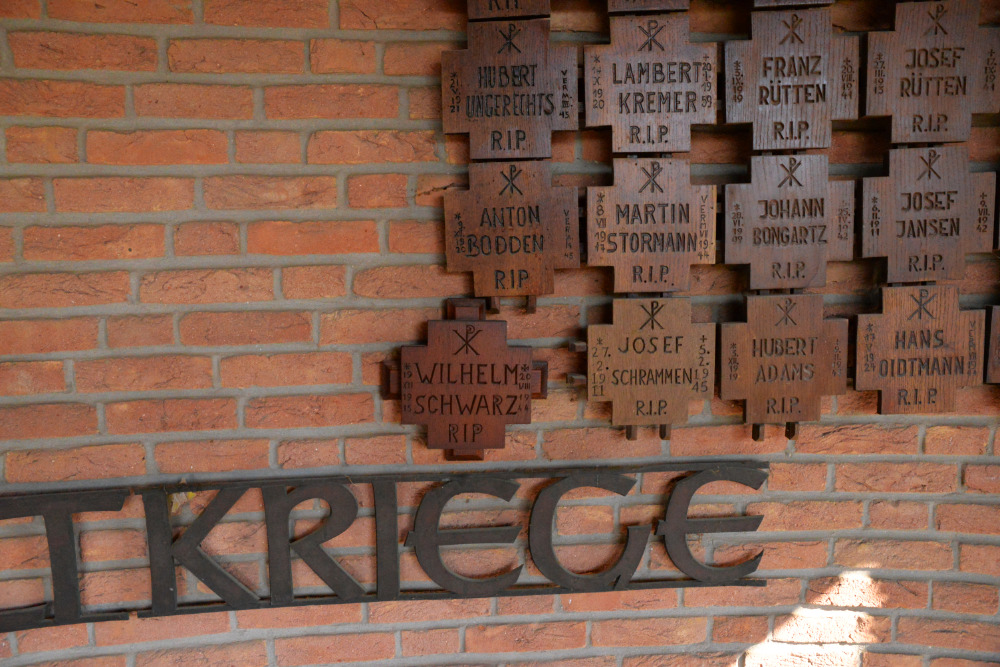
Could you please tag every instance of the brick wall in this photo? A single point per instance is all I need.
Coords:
(218, 216)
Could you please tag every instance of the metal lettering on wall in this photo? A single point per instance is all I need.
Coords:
(171, 547)
(921, 350)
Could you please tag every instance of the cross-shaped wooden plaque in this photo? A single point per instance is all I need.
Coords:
(509, 90)
(651, 362)
(650, 84)
(792, 79)
(920, 350)
(784, 359)
(937, 69)
(466, 384)
(789, 3)
(631, 6)
(993, 355)
(928, 213)
(652, 225)
(512, 229)
(507, 9)
(789, 222)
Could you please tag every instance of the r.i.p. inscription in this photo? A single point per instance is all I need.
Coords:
(491, 10)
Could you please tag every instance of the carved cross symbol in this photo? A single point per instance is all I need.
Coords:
(922, 302)
(652, 29)
(511, 178)
(793, 27)
(929, 161)
(651, 175)
(786, 309)
(652, 313)
(936, 14)
(470, 335)
(508, 37)
(790, 169)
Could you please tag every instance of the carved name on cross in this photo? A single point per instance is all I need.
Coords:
(784, 359)
(652, 225)
(936, 70)
(507, 9)
(466, 384)
(650, 84)
(789, 222)
(651, 362)
(629, 6)
(928, 214)
(792, 79)
(993, 355)
(920, 350)
(512, 229)
(509, 90)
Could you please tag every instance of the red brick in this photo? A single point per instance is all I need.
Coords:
(156, 147)
(180, 414)
(63, 290)
(236, 55)
(250, 654)
(138, 630)
(123, 194)
(347, 327)
(897, 515)
(406, 236)
(777, 592)
(893, 554)
(21, 9)
(797, 477)
(245, 328)
(856, 439)
(956, 440)
(371, 146)
(415, 58)
(62, 465)
(979, 519)
(896, 477)
(309, 411)
(70, 51)
(313, 282)
(331, 101)
(6, 244)
(24, 553)
(593, 443)
(377, 450)
(377, 191)
(122, 11)
(843, 627)
(296, 617)
(21, 378)
(860, 590)
(112, 545)
(964, 635)
(270, 192)
(951, 662)
(143, 374)
(739, 629)
(616, 601)
(427, 610)
(55, 420)
(308, 454)
(268, 147)
(61, 99)
(268, 13)
(524, 637)
(43, 336)
(93, 242)
(211, 456)
(339, 56)
(325, 237)
(777, 555)
(19, 195)
(402, 15)
(431, 188)
(334, 648)
(207, 286)
(52, 639)
(649, 631)
(767, 654)
(734, 440)
(207, 238)
(192, 100)
(982, 479)
(280, 370)
(140, 330)
(965, 598)
(410, 282)
(42, 145)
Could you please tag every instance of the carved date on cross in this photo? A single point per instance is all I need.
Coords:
(993, 360)
(507, 9)
(627, 6)
(652, 225)
(789, 222)
(512, 229)
(509, 90)
(466, 384)
(651, 362)
(791, 79)
(928, 214)
(650, 84)
(920, 350)
(784, 359)
(936, 70)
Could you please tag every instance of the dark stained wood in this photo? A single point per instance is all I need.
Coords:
(651, 362)
(993, 355)
(466, 384)
(509, 90)
(789, 222)
(936, 69)
(920, 350)
(650, 84)
(784, 359)
(507, 9)
(928, 213)
(792, 79)
(629, 6)
(652, 225)
(512, 229)
(789, 3)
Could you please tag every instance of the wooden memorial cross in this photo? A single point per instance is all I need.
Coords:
(789, 3)
(491, 10)
(783, 360)
(937, 69)
(789, 222)
(650, 84)
(466, 384)
(630, 6)
(792, 79)
(509, 90)
(920, 350)
(928, 213)
(650, 363)
(652, 225)
(512, 229)
(993, 355)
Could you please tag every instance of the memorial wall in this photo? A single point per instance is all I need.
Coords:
(499, 332)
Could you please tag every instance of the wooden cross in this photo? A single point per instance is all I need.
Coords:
(792, 79)
(652, 225)
(993, 356)
(936, 70)
(510, 90)
(784, 359)
(650, 84)
(920, 350)
(651, 362)
(507, 9)
(928, 213)
(629, 6)
(787, 3)
(466, 384)
(789, 222)
(512, 229)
